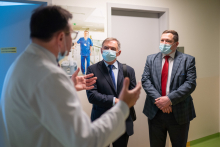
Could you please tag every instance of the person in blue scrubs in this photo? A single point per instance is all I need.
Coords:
(86, 49)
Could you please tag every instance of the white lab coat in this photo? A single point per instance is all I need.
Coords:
(40, 107)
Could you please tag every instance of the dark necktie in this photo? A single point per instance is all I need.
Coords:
(164, 75)
(112, 74)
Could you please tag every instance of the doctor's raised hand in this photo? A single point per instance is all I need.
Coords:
(83, 82)
(130, 96)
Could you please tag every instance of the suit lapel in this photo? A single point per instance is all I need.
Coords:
(120, 77)
(176, 63)
(159, 67)
(102, 67)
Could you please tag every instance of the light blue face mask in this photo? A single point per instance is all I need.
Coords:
(108, 55)
(165, 48)
(61, 55)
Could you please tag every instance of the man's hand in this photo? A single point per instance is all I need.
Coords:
(167, 110)
(162, 102)
(116, 100)
(129, 96)
(83, 82)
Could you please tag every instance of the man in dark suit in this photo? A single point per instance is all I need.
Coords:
(169, 78)
(104, 95)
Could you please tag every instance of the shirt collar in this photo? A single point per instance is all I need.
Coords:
(115, 64)
(45, 51)
(171, 55)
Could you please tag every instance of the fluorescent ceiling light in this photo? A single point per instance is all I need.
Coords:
(13, 3)
(97, 12)
(96, 16)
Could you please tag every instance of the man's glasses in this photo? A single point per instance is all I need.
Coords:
(108, 47)
(73, 34)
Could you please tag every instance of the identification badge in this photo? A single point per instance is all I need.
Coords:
(84, 44)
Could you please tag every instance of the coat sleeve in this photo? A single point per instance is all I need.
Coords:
(60, 111)
(97, 98)
(187, 87)
(147, 83)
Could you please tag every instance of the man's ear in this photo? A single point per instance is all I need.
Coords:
(60, 38)
(101, 51)
(177, 43)
(119, 53)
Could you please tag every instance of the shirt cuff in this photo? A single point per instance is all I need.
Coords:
(113, 101)
(170, 101)
(123, 107)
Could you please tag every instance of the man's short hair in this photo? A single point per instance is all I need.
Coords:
(112, 39)
(45, 21)
(175, 34)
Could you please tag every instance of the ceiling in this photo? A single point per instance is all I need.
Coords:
(85, 18)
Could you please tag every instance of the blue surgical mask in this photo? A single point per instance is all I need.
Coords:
(61, 55)
(108, 55)
(165, 48)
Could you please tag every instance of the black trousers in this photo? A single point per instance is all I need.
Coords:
(121, 141)
(163, 123)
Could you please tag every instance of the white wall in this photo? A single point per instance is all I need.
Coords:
(197, 23)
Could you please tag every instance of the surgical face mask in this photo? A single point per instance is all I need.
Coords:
(108, 55)
(165, 48)
(60, 54)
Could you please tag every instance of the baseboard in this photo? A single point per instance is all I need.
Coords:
(188, 144)
(194, 142)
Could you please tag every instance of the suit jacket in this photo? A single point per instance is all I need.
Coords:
(101, 96)
(182, 84)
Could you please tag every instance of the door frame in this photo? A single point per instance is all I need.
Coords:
(162, 12)
(163, 16)
(25, 1)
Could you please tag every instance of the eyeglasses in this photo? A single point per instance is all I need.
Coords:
(73, 34)
(108, 47)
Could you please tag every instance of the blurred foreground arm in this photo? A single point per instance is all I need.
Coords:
(62, 115)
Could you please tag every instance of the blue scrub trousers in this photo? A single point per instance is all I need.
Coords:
(83, 63)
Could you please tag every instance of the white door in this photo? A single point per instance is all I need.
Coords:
(139, 35)
(14, 32)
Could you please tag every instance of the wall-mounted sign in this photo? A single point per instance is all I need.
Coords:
(8, 50)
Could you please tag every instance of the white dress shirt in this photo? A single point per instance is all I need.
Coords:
(115, 71)
(40, 107)
(170, 60)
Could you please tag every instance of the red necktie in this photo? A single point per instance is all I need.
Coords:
(164, 75)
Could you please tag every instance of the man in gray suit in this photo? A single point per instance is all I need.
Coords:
(169, 78)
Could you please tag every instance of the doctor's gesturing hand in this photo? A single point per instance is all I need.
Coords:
(130, 96)
(83, 82)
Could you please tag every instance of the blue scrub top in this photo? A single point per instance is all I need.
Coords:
(85, 46)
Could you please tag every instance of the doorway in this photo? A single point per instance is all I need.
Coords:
(138, 28)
